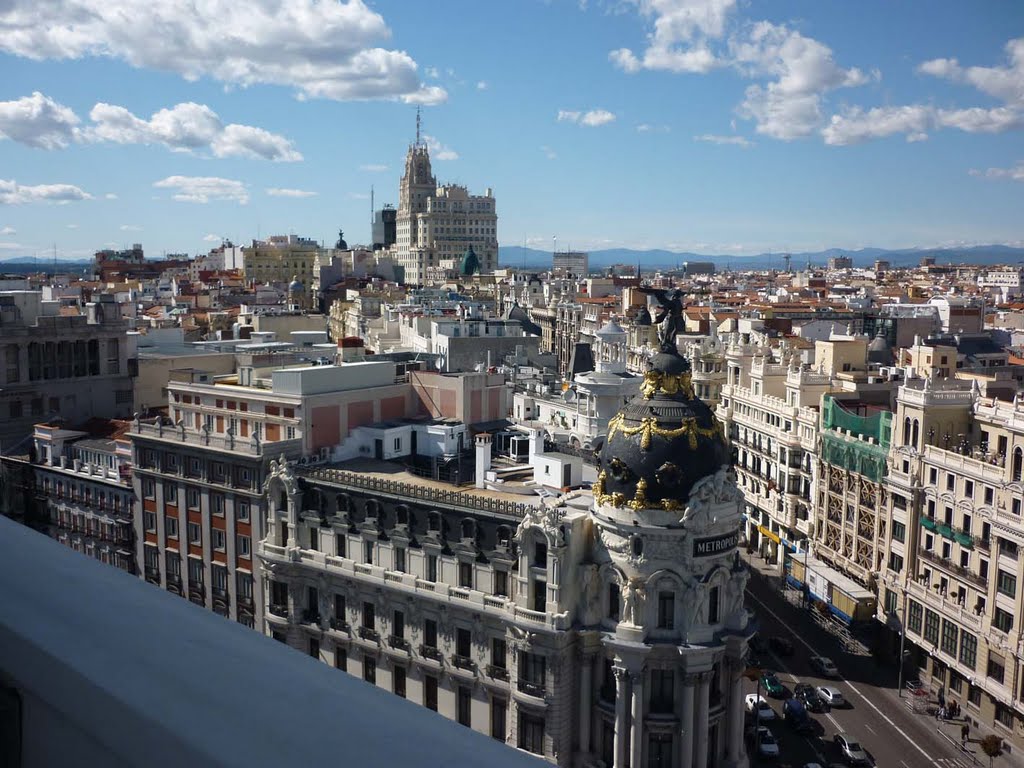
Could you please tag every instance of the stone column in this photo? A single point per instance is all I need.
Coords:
(687, 719)
(700, 727)
(636, 739)
(586, 691)
(734, 742)
(621, 702)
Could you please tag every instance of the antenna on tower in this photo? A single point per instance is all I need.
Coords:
(418, 109)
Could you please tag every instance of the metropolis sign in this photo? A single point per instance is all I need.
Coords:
(716, 545)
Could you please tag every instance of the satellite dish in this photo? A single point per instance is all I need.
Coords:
(569, 395)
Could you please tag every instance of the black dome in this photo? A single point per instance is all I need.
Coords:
(661, 443)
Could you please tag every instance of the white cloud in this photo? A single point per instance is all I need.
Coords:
(130, 228)
(37, 121)
(358, 196)
(72, 226)
(592, 118)
(794, 71)
(481, 85)
(110, 196)
(187, 127)
(649, 128)
(432, 73)
(10, 246)
(280, 192)
(1013, 174)
(12, 193)
(736, 141)
(8, 231)
(373, 167)
(321, 49)
(203, 189)
(549, 153)
(213, 239)
(1005, 83)
(439, 151)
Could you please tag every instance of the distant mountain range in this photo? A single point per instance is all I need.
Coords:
(517, 256)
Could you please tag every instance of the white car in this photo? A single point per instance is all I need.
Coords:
(824, 666)
(831, 696)
(767, 746)
(851, 750)
(758, 705)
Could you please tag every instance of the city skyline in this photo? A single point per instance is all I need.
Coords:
(706, 126)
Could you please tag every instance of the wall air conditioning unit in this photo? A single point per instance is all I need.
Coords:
(304, 460)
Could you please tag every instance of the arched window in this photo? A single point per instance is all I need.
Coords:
(917, 430)
(468, 528)
(906, 430)
(1018, 458)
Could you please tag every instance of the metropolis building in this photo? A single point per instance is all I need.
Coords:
(604, 628)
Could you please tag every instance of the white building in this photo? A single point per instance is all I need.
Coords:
(436, 225)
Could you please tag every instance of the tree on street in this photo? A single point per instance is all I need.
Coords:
(992, 746)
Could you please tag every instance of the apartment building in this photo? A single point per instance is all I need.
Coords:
(538, 624)
(770, 408)
(83, 477)
(952, 575)
(58, 364)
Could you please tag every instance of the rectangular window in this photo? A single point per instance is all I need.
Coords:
(1007, 548)
(400, 559)
(995, 668)
(217, 504)
(368, 552)
(242, 545)
(666, 610)
(242, 508)
(431, 567)
(662, 687)
(531, 732)
(969, 489)
(314, 538)
(195, 533)
(532, 668)
(895, 562)
(149, 520)
(659, 750)
(499, 716)
(398, 680)
(540, 593)
(244, 586)
(430, 633)
(219, 540)
(463, 701)
(931, 627)
(1002, 620)
(899, 531)
(339, 609)
(193, 498)
(499, 653)
(195, 570)
(1006, 583)
(340, 659)
(148, 488)
(540, 555)
(613, 602)
(369, 619)
(339, 544)
(398, 624)
(170, 493)
(914, 617)
(171, 526)
(501, 583)
(949, 637)
(466, 575)
(714, 605)
(968, 649)
(1004, 716)
(430, 692)
(369, 670)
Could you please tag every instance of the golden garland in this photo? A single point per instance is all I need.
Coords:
(649, 426)
(669, 383)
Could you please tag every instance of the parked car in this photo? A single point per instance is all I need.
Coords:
(757, 705)
(796, 716)
(772, 685)
(767, 746)
(824, 666)
(851, 750)
(780, 646)
(831, 696)
(809, 698)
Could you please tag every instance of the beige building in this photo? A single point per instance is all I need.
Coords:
(437, 224)
(280, 258)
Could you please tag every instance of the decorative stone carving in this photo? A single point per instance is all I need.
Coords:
(545, 519)
(710, 492)
(633, 602)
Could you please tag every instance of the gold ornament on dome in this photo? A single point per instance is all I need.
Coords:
(640, 497)
(649, 426)
(671, 504)
(598, 488)
(669, 383)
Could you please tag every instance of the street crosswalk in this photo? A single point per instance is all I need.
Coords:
(952, 762)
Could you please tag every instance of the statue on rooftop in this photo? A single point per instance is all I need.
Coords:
(670, 315)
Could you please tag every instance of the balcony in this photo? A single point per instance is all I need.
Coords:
(221, 593)
(498, 673)
(369, 634)
(398, 643)
(152, 575)
(958, 571)
(463, 662)
(432, 653)
(279, 609)
(531, 689)
(311, 617)
(339, 625)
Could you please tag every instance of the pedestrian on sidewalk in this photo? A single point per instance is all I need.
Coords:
(965, 732)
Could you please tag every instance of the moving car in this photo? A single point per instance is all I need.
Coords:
(851, 750)
(831, 696)
(824, 666)
(780, 646)
(771, 684)
(809, 698)
(796, 716)
(759, 706)
(767, 746)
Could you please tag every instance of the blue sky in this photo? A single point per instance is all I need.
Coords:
(717, 126)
